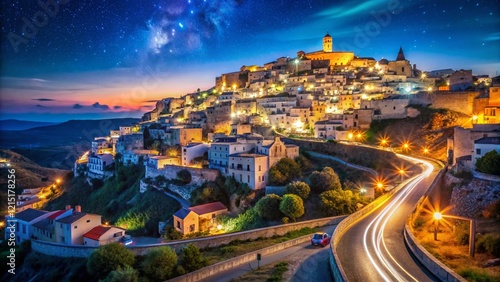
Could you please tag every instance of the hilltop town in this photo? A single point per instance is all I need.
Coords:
(243, 126)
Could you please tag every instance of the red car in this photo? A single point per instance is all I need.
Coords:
(320, 239)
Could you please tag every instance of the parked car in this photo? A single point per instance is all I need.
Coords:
(126, 240)
(320, 239)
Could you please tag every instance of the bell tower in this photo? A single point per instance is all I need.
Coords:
(327, 43)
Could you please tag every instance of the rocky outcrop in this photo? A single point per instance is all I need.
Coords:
(470, 199)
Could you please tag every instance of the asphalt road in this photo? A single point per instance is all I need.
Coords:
(373, 249)
(314, 268)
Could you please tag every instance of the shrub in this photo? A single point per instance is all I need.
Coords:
(192, 259)
(285, 220)
(489, 244)
(96, 183)
(159, 263)
(125, 274)
(292, 206)
(324, 180)
(184, 176)
(418, 222)
(475, 275)
(298, 188)
(489, 163)
(269, 207)
(337, 202)
(492, 210)
(108, 258)
(172, 234)
(284, 171)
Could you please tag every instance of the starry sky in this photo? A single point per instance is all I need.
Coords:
(70, 59)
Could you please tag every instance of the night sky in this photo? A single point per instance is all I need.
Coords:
(103, 59)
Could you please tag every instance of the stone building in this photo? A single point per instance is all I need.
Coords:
(401, 66)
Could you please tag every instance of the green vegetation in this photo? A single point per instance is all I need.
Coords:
(222, 189)
(244, 221)
(292, 206)
(119, 200)
(184, 176)
(238, 247)
(268, 207)
(159, 263)
(476, 275)
(489, 163)
(108, 258)
(338, 202)
(125, 274)
(192, 259)
(489, 244)
(284, 171)
(298, 188)
(324, 180)
(277, 272)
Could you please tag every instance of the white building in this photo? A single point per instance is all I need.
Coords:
(249, 168)
(24, 223)
(98, 163)
(218, 154)
(485, 145)
(159, 162)
(192, 151)
(102, 235)
(70, 229)
(133, 156)
(327, 129)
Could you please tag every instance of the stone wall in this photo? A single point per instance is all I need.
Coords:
(462, 102)
(61, 250)
(199, 175)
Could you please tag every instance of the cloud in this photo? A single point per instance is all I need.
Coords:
(40, 106)
(150, 101)
(77, 106)
(99, 106)
(43, 99)
(493, 36)
(117, 107)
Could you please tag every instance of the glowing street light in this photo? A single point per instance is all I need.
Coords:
(426, 150)
(474, 119)
(380, 185)
(350, 136)
(472, 228)
(402, 173)
(437, 217)
(296, 66)
(58, 181)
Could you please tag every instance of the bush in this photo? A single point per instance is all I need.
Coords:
(192, 259)
(126, 274)
(108, 258)
(489, 163)
(298, 188)
(96, 183)
(285, 220)
(292, 206)
(172, 234)
(184, 176)
(492, 210)
(324, 180)
(303, 162)
(269, 207)
(337, 202)
(489, 244)
(284, 171)
(244, 221)
(159, 263)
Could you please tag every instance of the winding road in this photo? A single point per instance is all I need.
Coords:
(373, 249)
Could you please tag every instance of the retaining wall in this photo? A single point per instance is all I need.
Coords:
(234, 262)
(61, 250)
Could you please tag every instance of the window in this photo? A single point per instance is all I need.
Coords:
(178, 224)
(241, 177)
(88, 220)
(248, 179)
(191, 228)
(24, 229)
(75, 227)
(117, 234)
(259, 167)
(478, 151)
(67, 227)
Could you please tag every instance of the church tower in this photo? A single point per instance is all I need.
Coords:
(327, 43)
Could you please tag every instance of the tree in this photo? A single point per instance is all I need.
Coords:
(108, 258)
(284, 171)
(269, 207)
(489, 163)
(303, 162)
(125, 274)
(298, 188)
(184, 176)
(324, 180)
(292, 206)
(159, 263)
(192, 259)
(337, 202)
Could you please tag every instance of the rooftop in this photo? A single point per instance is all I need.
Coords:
(96, 232)
(56, 214)
(72, 218)
(29, 214)
(488, 140)
(182, 213)
(208, 208)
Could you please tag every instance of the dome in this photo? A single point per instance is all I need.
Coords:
(383, 62)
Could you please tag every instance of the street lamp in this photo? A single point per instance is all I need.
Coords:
(296, 66)
(402, 173)
(472, 229)
(58, 181)
(380, 185)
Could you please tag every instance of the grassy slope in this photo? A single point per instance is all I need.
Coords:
(119, 201)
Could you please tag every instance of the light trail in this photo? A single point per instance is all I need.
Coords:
(383, 261)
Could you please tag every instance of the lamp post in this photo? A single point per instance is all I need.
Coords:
(472, 229)
(402, 173)
(437, 217)
(296, 66)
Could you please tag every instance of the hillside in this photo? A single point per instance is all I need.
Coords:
(28, 174)
(430, 129)
(15, 124)
(66, 133)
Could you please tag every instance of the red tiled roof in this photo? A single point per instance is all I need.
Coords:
(56, 214)
(208, 208)
(96, 232)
